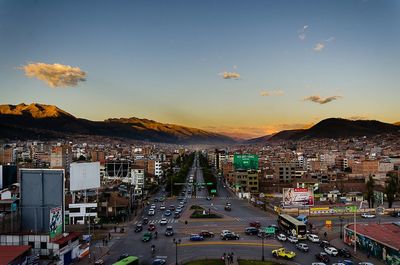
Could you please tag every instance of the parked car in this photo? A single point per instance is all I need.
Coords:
(169, 231)
(147, 237)
(205, 233)
(281, 237)
(230, 236)
(255, 224)
(163, 221)
(283, 253)
(196, 237)
(292, 239)
(322, 256)
(302, 246)
(138, 228)
(313, 238)
(331, 251)
(344, 252)
(251, 231)
(151, 227)
(368, 215)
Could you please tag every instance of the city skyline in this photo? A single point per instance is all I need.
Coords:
(231, 67)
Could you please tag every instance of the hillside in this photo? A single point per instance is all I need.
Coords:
(47, 122)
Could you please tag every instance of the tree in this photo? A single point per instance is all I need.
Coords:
(370, 191)
(391, 188)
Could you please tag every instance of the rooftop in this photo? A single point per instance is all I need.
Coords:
(387, 234)
(9, 253)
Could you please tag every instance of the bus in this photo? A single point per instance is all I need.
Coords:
(130, 260)
(292, 226)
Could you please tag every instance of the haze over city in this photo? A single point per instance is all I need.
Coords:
(240, 68)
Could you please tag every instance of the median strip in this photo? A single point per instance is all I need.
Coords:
(228, 243)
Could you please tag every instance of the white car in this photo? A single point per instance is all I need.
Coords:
(162, 207)
(292, 239)
(338, 263)
(318, 263)
(151, 212)
(281, 237)
(163, 221)
(367, 215)
(365, 263)
(153, 206)
(313, 238)
(331, 251)
(224, 232)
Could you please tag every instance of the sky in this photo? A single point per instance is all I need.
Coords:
(244, 68)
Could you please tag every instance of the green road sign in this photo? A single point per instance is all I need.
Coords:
(213, 191)
(269, 230)
(209, 183)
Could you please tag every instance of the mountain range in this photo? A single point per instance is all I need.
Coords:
(49, 122)
(39, 121)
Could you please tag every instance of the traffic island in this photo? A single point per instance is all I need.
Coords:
(204, 214)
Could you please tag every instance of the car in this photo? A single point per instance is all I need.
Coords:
(172, 207)
(178, 210)
(368, 215)
(169, 231)
(251, 231)
(162, 207)
(99, 262)
(338, 263)
(196, 237)
(155, 199)
(228, 208)
(283, 253)
(167, 213)
(344, 252)
(395, 214)
(255, 224)
(147, 237)
(177, 215)
(159, 262)
(292, 239)
(208, 198)
(153, 206)
(322, 256)
(365, 263)
(230, 236)
(138, 227)
(151, 212)
(302, 246)
(151, 227)
(324, 243)
(318, 263)
(205, 233)
(346, 262)
(331, 251)
(224, 232)
(145, 221)
(313, 238)
(281, 237)
(228, 204)
(163, 221)
(123, 256)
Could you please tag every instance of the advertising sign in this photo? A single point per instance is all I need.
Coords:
(245, 162)
(55, 225)
(85, 176)
(295, 197)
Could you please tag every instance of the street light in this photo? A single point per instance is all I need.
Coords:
(262, 234)
(176, 242)
(341, 226)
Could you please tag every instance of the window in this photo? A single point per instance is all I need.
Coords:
(43, 245)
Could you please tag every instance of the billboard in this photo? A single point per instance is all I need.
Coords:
(84, 176)
(55, 225)
(245, 161)
(294, 197)
(41, 191)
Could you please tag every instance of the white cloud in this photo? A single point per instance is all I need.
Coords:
(319, 46)
(266, 93)
(302, 32)
(55, 75)
(321, 100)
(230, 75)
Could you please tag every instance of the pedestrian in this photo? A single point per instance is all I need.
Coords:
(232, 257)
(229, 258)
(115, 229)
(325, 234)
(109, 236)
(106, 242)
(223, 258)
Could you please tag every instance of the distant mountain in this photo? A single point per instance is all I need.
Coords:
(335, 128)
(397, 123)
(48, 122)
(258, 140)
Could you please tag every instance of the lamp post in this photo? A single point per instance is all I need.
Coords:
(341, 227)
(176, 242)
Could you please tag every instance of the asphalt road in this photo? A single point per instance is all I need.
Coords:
(236, 220)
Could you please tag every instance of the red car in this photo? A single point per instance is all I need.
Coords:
(255, 224)
(151, 227)
(205, 233)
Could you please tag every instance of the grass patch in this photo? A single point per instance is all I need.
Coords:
(196, 207)
(256, 262)
(199, 214)
(206, 262)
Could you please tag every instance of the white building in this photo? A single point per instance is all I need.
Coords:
(78, 212)
(158, 168)
(137, 175)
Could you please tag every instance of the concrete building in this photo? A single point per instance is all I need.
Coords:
(137, 175)
(78, 212)
(61, 157)
(244, 181)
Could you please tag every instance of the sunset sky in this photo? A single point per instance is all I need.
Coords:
(246, 68)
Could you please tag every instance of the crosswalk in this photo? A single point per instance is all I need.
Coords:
(169, 221)
(223, 197)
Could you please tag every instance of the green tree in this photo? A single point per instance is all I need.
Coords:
(392, 186)
(370, 191)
